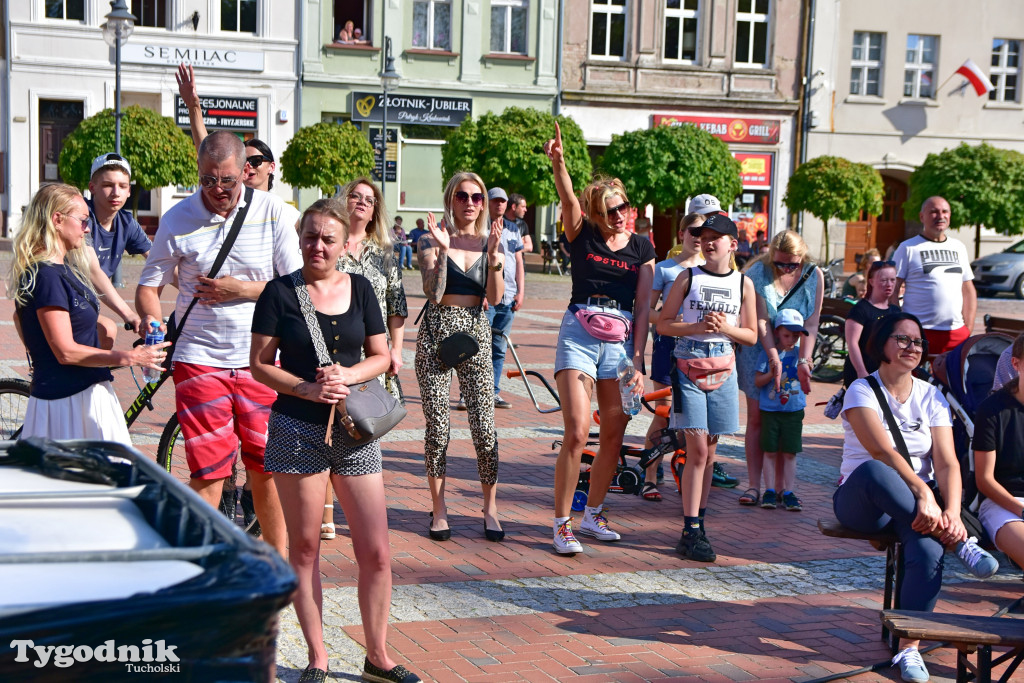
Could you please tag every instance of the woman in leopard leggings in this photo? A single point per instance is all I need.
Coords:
(460, 262)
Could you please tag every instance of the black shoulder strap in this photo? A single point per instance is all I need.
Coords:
(229, 240)
(82, 292)
(894, 428)
(797, 286)
(689, 281)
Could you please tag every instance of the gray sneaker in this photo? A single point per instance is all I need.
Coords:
(499, 402)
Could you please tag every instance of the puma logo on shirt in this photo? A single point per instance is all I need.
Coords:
(940, 258)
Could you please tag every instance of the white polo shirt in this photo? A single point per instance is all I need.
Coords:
(189, 238)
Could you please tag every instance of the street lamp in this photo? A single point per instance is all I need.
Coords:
(389, 79)
(120, 24)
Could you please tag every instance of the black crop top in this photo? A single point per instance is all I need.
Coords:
(472, 281)
(596, 269)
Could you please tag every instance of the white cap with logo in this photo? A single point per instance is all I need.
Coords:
(704, 204)
(111, 160)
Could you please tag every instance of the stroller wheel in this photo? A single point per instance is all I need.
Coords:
(579, 501)
(629, 480)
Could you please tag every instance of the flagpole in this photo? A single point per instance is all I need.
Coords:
(939, 89)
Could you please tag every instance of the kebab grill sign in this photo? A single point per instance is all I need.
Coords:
(750, 131)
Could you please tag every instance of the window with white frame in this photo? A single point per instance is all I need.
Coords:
(1005, 69)
(866, 63)
(238, 15)
(508, 26)
(65, 9)
(919, 70)
(681, 22)
(150, 13)
(752, 32)
(608, 28)
(432, 24)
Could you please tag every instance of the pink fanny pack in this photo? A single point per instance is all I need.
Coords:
(608, 326)
(707, 373)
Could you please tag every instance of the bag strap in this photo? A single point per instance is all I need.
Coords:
(222, 255)
(77, 286)
(803, 279)
(894, 428)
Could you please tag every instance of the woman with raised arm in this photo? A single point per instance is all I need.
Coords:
(612, 272)
(460, 263)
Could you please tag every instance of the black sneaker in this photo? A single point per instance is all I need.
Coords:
(721, 478)
(695, 546)
(249, 522)
(399, 674)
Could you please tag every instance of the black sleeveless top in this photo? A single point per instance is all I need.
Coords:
(472, 281)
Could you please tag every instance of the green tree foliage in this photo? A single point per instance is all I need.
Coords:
(325, 155)
(665, 165)
(982, 184)
(834, 187)
(507, 150)
(159, 152)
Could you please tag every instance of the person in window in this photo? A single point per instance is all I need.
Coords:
(347, 33)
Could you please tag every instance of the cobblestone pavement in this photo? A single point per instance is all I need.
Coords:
(783, 602)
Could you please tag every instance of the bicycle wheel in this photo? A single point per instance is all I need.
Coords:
(13, 404)
(171, 451)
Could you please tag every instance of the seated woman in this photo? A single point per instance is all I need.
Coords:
(999, 461)
(916, 493)
(856, 284)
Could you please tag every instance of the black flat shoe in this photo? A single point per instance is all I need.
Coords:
(439, 534)
(492, 535)
(311, 675)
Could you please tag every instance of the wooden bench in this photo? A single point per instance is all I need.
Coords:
(968, 634)
(837, 307)
(890, 544)
(1008, 326)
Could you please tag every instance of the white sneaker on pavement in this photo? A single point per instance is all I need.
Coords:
(596, 524)
(565, 542)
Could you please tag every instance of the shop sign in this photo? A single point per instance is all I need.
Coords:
(424, 109)
(232, 113)
(385, 159)
(755, 170)
(200, 57)
(751, 131)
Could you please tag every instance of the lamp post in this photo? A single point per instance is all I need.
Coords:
(389, 79)
(120, 24)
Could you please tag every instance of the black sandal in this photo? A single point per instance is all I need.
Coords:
(750, 497)
(650, 492)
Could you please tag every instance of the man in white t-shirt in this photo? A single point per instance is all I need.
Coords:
(937, 273)
(218, 402)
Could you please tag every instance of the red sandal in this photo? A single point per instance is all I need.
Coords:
(650, 492)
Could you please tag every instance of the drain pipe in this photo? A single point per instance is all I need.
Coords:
(805, 105)
(558, 74)
(6, 100)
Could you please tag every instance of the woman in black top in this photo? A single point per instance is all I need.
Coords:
(861, 319)
(349, 319)
(612, 273)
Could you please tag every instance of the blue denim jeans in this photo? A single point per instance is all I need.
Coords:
(500, 317)
(716, 411)
(875, 498)
(404, 252)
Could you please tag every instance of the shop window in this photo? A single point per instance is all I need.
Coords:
(608, 28)
(919, 70)
(681, 30)
(238, 15)
(1005, 70)
(359, 12)
(151, 13)
(752, 32)
(508, 26)
(419, 176)
(432, 24)
(866, 63)
(65, 9)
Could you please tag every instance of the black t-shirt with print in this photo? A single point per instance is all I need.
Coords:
(277, 314)
(867, 314)
(999, 427)
(596, 269)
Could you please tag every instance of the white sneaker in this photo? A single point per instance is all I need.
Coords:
(597, 526)
(912, 668)
(976, 560)
(565, 543)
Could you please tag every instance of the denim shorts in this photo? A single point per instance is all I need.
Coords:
(718, 411)
(579, 350)
(662, 360)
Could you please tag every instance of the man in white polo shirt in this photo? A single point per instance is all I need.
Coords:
(218, 402)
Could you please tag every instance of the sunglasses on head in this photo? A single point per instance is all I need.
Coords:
(621, 208)
(878, 265)
(464, 197)
(255, 160)
(786, 267)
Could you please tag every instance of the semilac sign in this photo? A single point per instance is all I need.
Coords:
(201, 57)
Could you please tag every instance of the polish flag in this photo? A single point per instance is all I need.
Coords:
(978, 79)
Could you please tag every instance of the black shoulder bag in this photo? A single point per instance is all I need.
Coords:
(970, 521)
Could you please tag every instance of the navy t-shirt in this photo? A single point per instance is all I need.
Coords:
(56, 285)
(596, 269)
(277, 314)
(126, 235)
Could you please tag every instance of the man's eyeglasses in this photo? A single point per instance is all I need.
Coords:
(85, 222)
(368, 200)
(464, 197)
(786, 267)
(212, 181)
(878, 265)
(255, 160)
(905, 342)
(621, 208)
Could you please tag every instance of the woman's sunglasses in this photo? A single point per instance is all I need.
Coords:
(464, 197)
(621, 208)
(786, 267)
(878, 265)
(255, 160)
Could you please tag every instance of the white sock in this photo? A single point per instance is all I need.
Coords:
(559, 521)
(594, 511)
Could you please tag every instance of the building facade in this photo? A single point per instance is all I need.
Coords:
(886, 93)
(60, 71)
(728, 66)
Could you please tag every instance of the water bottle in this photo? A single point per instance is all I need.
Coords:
(630, 401)
(153, 336)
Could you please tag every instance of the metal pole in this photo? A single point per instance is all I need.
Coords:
(117, 90)
(384, 150)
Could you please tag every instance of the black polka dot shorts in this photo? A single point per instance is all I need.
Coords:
(297, 447)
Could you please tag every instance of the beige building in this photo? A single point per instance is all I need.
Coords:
(886, 93)
(728, 66)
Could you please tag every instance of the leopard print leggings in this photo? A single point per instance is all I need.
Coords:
(476, 380)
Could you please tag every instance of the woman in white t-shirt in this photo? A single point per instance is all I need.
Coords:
(918, 497)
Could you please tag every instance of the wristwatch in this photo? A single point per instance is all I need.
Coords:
(496, 267)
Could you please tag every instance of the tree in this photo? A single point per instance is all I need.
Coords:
(665, 165)
(326, 155)
(982, 184)
(159, 152)
(507, 150)
(834, 187)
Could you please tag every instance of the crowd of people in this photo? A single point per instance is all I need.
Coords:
(311, 304)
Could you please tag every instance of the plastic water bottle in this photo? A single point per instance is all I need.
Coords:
(153, 336)
(630, 401)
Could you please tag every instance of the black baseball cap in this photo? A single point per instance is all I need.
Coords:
(718, 222)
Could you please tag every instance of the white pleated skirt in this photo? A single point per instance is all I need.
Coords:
(92, 413)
